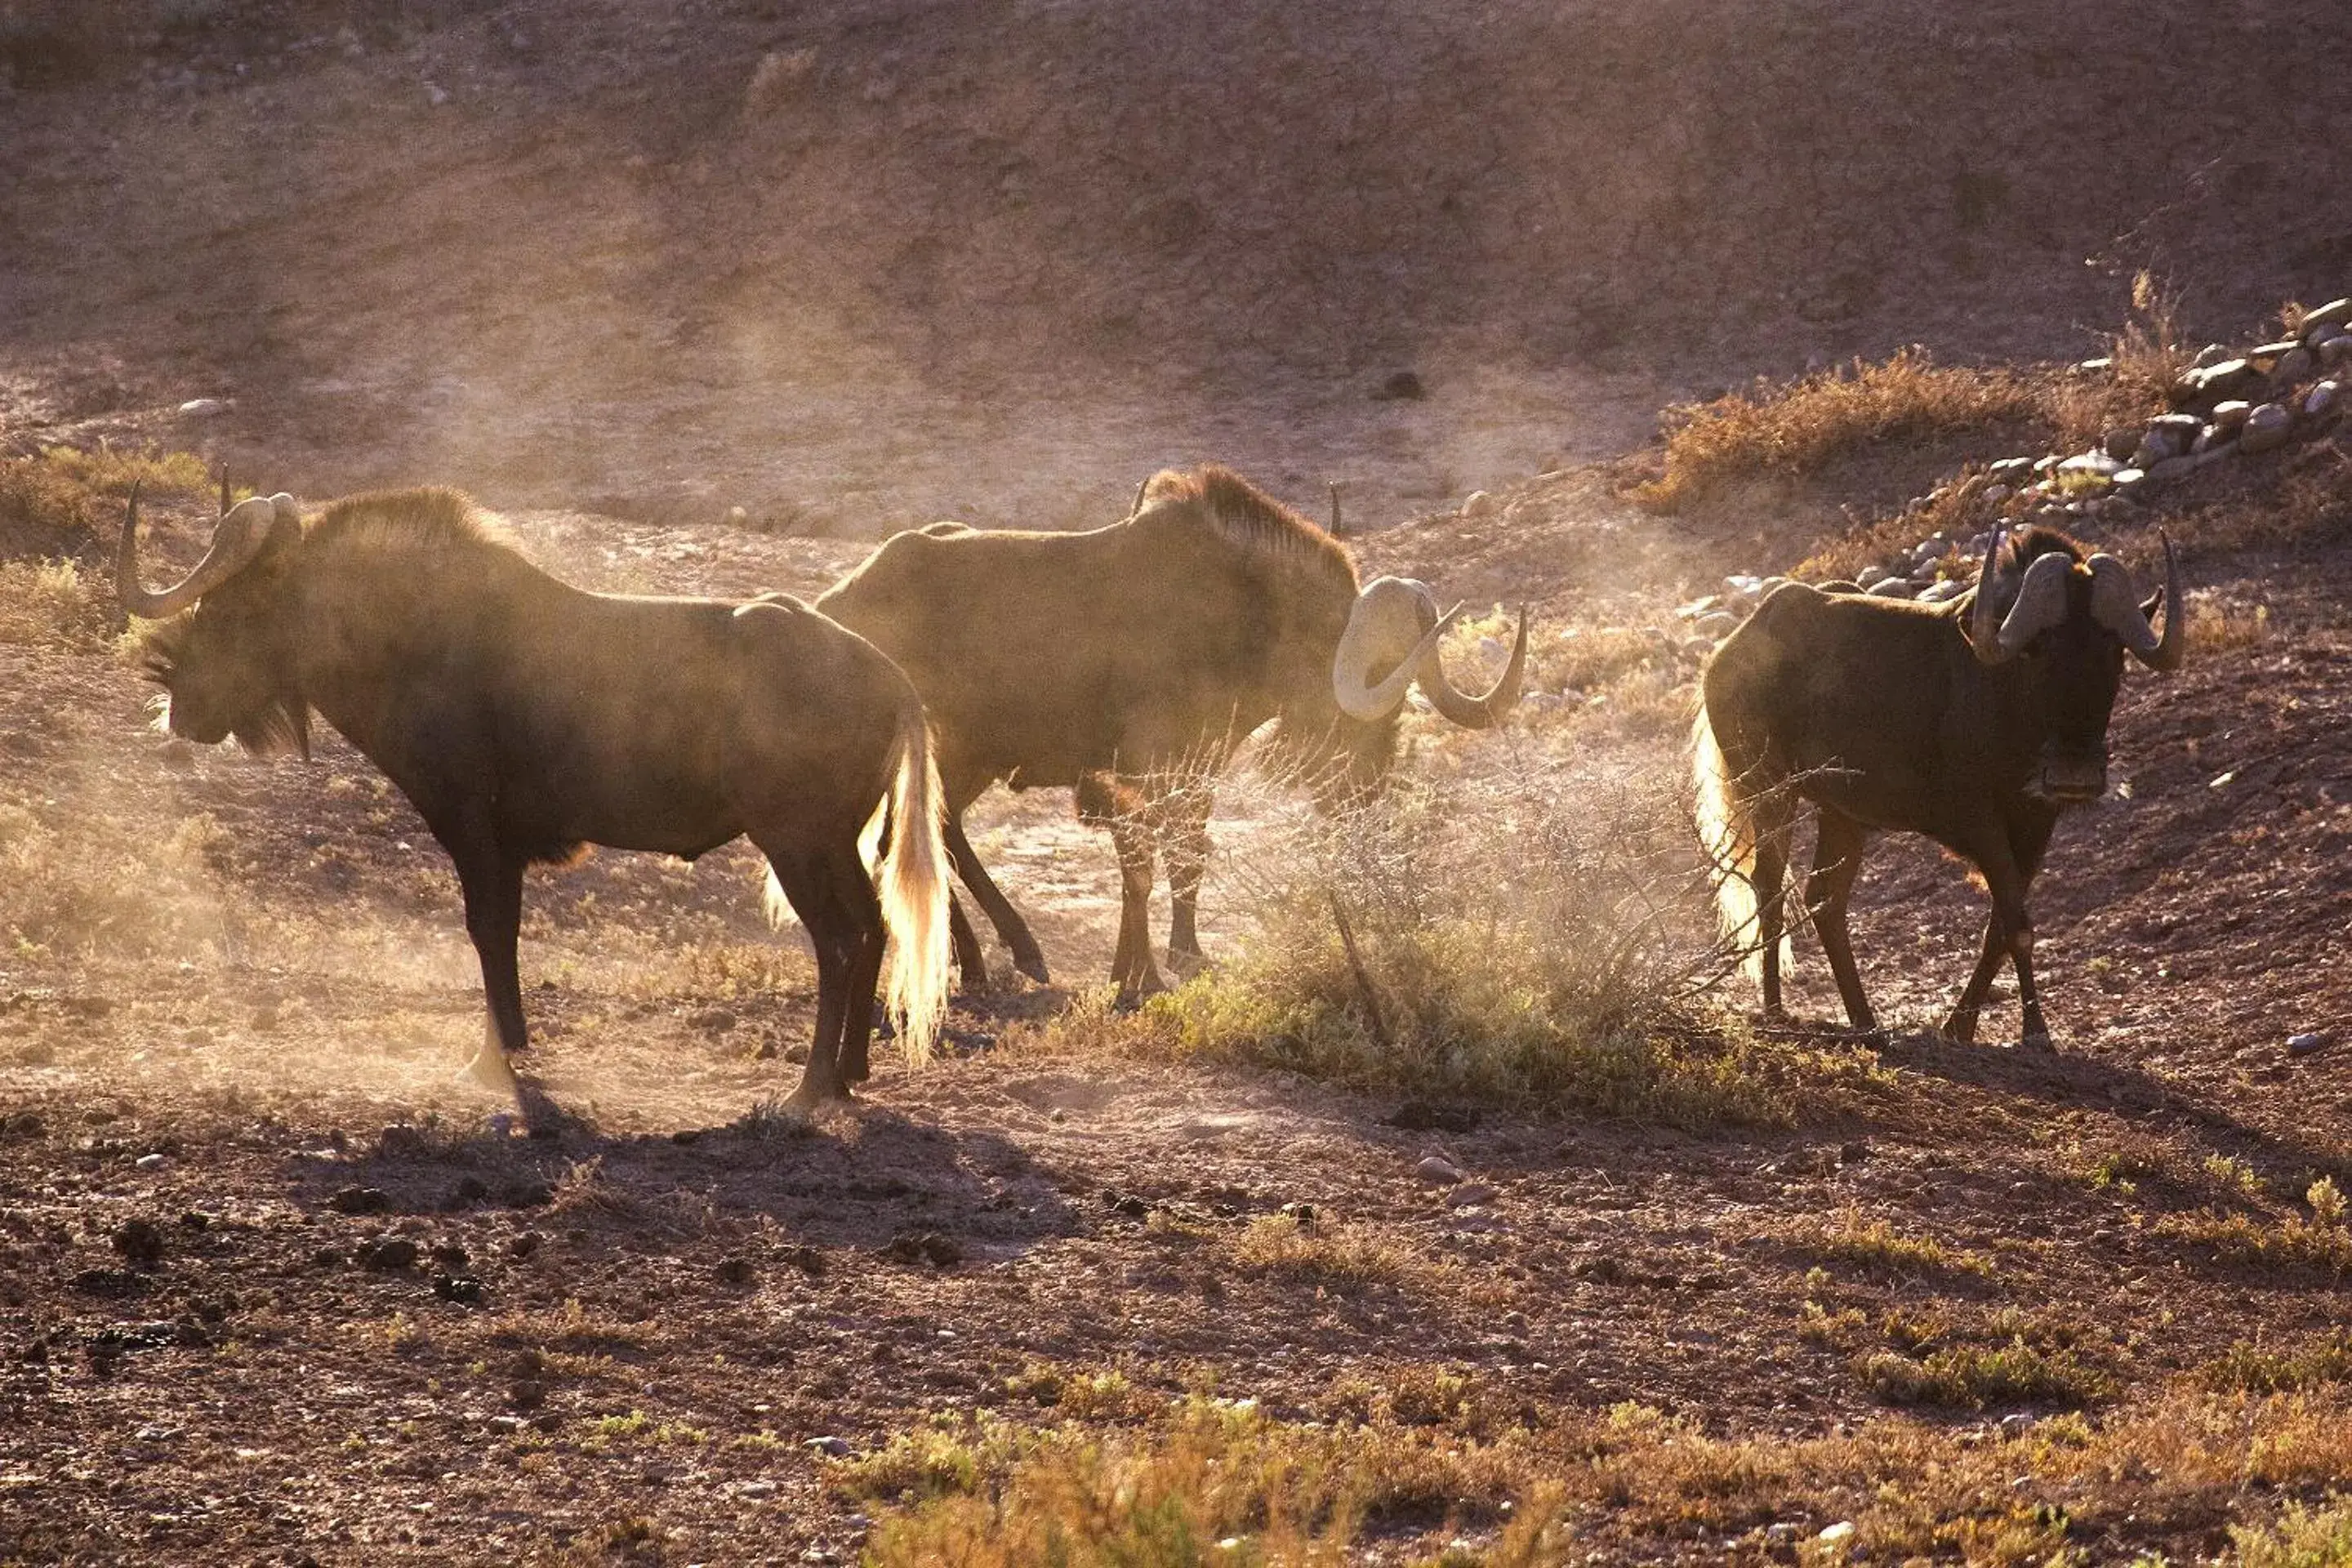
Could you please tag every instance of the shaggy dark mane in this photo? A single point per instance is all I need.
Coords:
(431, 521)
(2024, 544)
(1246, 516)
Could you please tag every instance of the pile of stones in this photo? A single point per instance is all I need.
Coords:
(2226, 404)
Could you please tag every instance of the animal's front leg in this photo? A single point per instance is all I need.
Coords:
(492, 883)
(1962, 1026)
(1186, 834)
(1131, 967)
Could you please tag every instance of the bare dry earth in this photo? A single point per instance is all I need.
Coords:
(616, 284)
(241, 989)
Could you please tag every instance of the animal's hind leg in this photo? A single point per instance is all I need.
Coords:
(1837, 856)
(808, 887)
(1027, 957)
(861, 912)
(969, 960)
(1773, 820)
(1960, 1027)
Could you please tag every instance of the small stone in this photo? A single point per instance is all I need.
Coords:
(2011, 470)
(139, 1240)
(2172, 469)
(2320, 401)
(1718, 625)
(1434, 1169)
(2336, 350)
(1938, 592)
(524, 1245)
(1480, 504)
(390, 1254)
(830, 1446)
(1891, 588)
(2120, 443)
(2229, 415)
(462, 1289)
(150, 1161)
(1470, 1195)
(756, 1491)
(714, 1020)
(734, 1271)
(1994, 494)
(360, 1200)
(2303, 1044)
(506, 1426)
(2294, 367)
(2267, 428)
(1837, 1539)
(1782, 1534)
(204, 407)
(2209, 356)
(2128, 479)
(2017, 1424)
(1404, 386)
(2319, 325)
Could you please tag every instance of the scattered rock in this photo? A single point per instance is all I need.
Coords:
(462, 1289)
(390, 1254)
(1892, 588)
(735, 1271)
(1469, 1194)
(204, 407)
(141, 1241)
(1837, 1539)
(2320, 401)
(1404, 386)
(2294, 367)
(714, 1020)
(1303, 1215)
(2306, 1044)
(360, 1200)
(524, 1245)
(756, 1491)
(1434, 1169)
(469, 1190)
(1480, 504)
(2267, 428)
(830, 1446)
(925, 1247)
(2319, 325)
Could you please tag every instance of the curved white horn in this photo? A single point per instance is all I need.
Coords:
(238, 537)
(1394, 626)
(2115, 604)
(1477, 712)
(2041, 602)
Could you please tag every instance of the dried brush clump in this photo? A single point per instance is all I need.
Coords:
(1516, 936)
(1796, 427)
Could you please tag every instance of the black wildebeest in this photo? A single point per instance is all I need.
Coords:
(526, 718)
(1975, 723)
(1127, 662)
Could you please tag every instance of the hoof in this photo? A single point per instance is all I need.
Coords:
(1034, 966)
(2039, 1041)
(1959, 1029)
(811, 1097)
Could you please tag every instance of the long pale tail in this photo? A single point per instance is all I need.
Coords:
(913, 883)
(1728, 836)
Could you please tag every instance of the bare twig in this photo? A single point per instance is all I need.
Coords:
(1377, 1019)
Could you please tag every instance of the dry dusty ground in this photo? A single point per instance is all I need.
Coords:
(270, 1291)
(239, 997)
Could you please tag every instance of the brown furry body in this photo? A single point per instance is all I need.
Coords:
(1879, 713)
(525, 718)
(1125, 662)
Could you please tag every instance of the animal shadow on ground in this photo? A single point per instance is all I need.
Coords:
(2066, 1077)
(865, 1178)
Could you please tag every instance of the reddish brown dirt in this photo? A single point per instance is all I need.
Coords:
(616, 289)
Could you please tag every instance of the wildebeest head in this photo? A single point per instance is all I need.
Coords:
(1392, 642)
(225, 655)
(2066, 619)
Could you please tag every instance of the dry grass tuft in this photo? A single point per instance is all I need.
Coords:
(53, 604)
(1876, 1246)
(1324, 1255)
(1493, 938)
(1796, 427)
